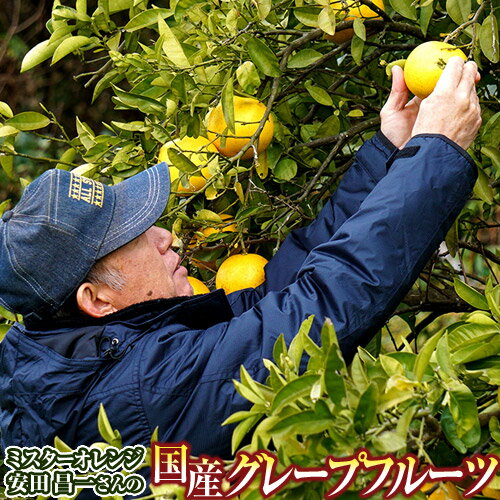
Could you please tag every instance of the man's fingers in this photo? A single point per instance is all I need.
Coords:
(399, 91)
(414, 103)
(451, 75)
(468, 81)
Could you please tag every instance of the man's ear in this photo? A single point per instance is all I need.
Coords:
(93, 300)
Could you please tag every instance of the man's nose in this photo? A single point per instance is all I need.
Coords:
(163, 239)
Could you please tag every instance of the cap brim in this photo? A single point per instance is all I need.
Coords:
(139, 202)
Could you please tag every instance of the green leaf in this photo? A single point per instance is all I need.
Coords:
(5, 110)
(138, 101)
(305, 422)
(241, 431)
(425, 354)
(493, 297)
(4, 328)
(9, 316)
(4, 205)
(478, 350)
(29, 120)
(482, 188)
(308, 15)
(285, 169)
(450, 431)
(491, 131)
(228, 104)
(451, 239)
(304, 58)
(389, 442)
(443, 357)
(356, 113)
(331, 126)
(147, 18)
(67, 157)
(248, 382)
(494, 427)
(263, 57)
(425, 16)
(292, 391)
(181, 161)
(248, 394)
(470, 295)
(69, 45)
(366, 410)
(110, 77)
(171, 46)
(488, 39)
(405, 8)
(458, 10)
(60, 445)
(37, 54)
(81, 6)
(399, 62)
(493, 154)
(403, 425)
(359, 28)
(334, 374)
(263, 8)
(463, 410)
(319, 94)
(296, 348)
(7, 130)
(248, 77)
(238, 417)
(327, 20)
(357, 46)
(60, 12)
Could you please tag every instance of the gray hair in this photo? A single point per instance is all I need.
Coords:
(103, 274)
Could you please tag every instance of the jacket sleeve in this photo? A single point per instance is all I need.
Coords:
(356, 278)
(369, 166)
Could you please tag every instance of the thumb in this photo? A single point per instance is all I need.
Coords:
(399, 91)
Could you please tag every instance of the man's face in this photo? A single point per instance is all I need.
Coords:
(150, 269)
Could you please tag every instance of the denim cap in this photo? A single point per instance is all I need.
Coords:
(62, 225)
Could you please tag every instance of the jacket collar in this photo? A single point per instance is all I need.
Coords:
(113, 334)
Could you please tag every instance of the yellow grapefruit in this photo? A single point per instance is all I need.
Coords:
(248, 113)
(491, 493)
(241, 271)
(198, 150)
(445, 491)
(425, 65)
(352, 9)
(199, 287)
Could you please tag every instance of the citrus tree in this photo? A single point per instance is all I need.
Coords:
(259, 107)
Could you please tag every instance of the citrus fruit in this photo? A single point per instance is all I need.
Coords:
(226, 226)
(199, 287)
(199, 245)
(491, 493)
(198, 150)
(352, 9)
(241, 271)
(445, 491)
(425, 65)
(248, 113)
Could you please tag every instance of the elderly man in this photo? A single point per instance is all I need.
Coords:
(110, 317)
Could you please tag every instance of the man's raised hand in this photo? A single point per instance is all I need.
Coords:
(453, 107)
(398, 115)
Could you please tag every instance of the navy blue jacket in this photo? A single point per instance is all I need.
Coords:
(170, 363)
